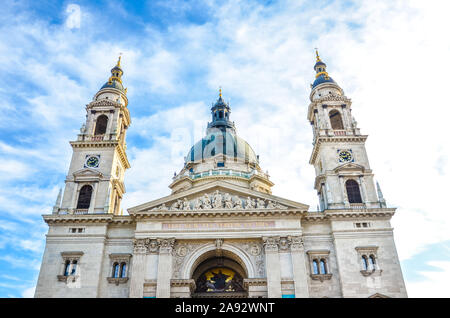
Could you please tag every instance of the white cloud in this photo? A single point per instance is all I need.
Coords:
(73, 20)
(435, 283)
(29, 292)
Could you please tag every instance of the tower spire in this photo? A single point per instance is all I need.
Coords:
(115, 80)
(317, 56)
(321, 72)
(220, 112)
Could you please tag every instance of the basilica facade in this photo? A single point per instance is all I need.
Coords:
(221, 232)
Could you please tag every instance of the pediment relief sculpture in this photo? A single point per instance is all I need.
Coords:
(219, 200)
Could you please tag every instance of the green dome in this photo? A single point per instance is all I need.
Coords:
(221, 142)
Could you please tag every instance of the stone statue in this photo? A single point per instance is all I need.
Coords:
(354, 122)
(271, 205)
(176, 205)
(260, 204)
(249, 204)
(197, 204)
(163, 207)
(206, 202)
(83, 129)
(237, 203)
(217, 200)
(186, 204)
(228, 201)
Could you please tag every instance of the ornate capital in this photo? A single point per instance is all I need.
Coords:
(271, 243)
(140, 246)
(296, 243)
(166, 245)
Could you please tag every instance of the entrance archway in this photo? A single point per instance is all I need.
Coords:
(219, 274)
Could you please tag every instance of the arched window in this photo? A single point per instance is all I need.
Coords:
(74, 267)
(323, 266)
(66, 268)
(84, 199)
(115, 273)
(102, 123)
(365, 262)
(315, 267)
(336, 120)
(353, 194)
(123, 270)
(372, 261)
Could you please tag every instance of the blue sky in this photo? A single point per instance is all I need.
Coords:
(391, 59)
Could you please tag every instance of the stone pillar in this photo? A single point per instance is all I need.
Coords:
(272, 267)
(94, 195)
(138, 268)
(73, 204)
(344, 192)
(362, 185)
(299, 267)
(164, 268)
(328, 193)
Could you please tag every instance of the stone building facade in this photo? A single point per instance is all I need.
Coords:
(221, 232)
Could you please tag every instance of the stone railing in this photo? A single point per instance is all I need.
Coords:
(221, 172)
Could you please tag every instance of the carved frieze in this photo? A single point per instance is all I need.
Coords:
(218, 200)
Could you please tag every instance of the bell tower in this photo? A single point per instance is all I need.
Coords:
(94, 183)
(343, 176)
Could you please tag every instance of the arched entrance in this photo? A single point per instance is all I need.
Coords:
(219, 275)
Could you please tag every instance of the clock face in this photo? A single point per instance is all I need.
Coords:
(345, 156)
(92, 162)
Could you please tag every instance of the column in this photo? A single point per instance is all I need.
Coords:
(328, 193)
(138, 268)
(74, 198)
(94, 195)
(272, 267)
(108, 126)
(343, 192)
(164, 268)
(299, 267)
(362, 185)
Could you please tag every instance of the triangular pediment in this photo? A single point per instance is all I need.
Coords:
(218, 195)
(350, 167)
(87, 173)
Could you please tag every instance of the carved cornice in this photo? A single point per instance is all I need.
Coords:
(335, 139)
(216, 213)
(103, 102)
(108, 218)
